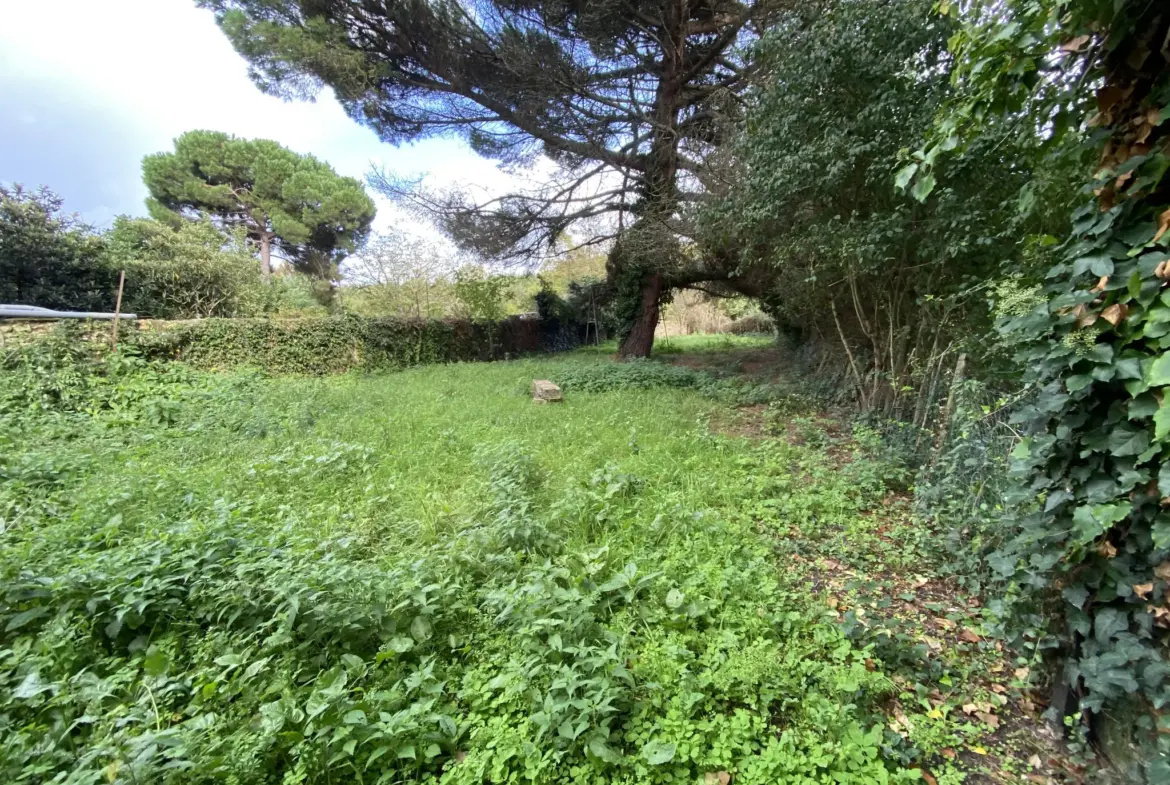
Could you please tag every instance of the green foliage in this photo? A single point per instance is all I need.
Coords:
(65, 373)
(839, 255)
(333, 344)
(48, 258)
(631, 375)
(373, 580)
(481, 294)
(190, 271)
(1091, 534)
(274, 194)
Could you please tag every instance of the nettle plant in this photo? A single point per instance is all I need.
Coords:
(1083, 74)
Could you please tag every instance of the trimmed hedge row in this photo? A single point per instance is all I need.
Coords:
(333, 344)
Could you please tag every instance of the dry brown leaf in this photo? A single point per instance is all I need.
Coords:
(1161, 615)
(1085, 317)
(1162, 270)
(716, 778)
(945, 623)
(1115, 314)
(1163, 571)
(1163, 225)
(1035, 761)
(1075, 44)
(970, 708)
(948, 753)
(928, 778)
(988, 719)
(870, 665)
(1107, 198)
(1102, 282)
(970, 636)
(1108, 96)
(1143, 590)
(998, 688)
(1021, 673)
(1107, 549)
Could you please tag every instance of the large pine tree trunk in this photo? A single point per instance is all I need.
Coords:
(641, 338)
(655, 249)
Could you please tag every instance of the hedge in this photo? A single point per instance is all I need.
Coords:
(323, 345)
(335, 344)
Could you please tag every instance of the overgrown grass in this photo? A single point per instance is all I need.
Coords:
(423, 577)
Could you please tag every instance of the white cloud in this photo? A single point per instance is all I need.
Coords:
(145, 71)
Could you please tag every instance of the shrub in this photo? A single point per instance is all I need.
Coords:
(189, 271)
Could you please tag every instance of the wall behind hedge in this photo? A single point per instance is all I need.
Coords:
(324, 345)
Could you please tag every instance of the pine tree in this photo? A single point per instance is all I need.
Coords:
(278, 197)
(628, 94)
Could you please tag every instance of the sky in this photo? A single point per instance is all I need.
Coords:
(89, 87)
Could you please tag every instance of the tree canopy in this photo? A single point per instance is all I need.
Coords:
(48, 257)
(312, 215)
(624, 96)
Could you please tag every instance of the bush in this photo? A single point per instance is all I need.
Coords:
(191, 271)
(49, 258)
(751, 324)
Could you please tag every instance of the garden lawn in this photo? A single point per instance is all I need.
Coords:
(423, 577)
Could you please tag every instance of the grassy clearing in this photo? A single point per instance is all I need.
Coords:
(424, 577)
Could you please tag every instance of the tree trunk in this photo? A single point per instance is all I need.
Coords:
(266, 256)
(660, 200)
(641, 338)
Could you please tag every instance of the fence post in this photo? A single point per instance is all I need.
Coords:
(117, 311)
(952, 399)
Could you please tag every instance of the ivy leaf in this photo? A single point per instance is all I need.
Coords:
(1077, 595)
(1162, 419)
(1144, 405)
(656, 752)
(1098, 265)
(1161, 532)
(674, 598)
(1090, 522)
(1127, 441)
(1108, 622)
(1159, 373)
(1003, 563)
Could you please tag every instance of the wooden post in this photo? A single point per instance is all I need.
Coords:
(952, 399)
(117, 310)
